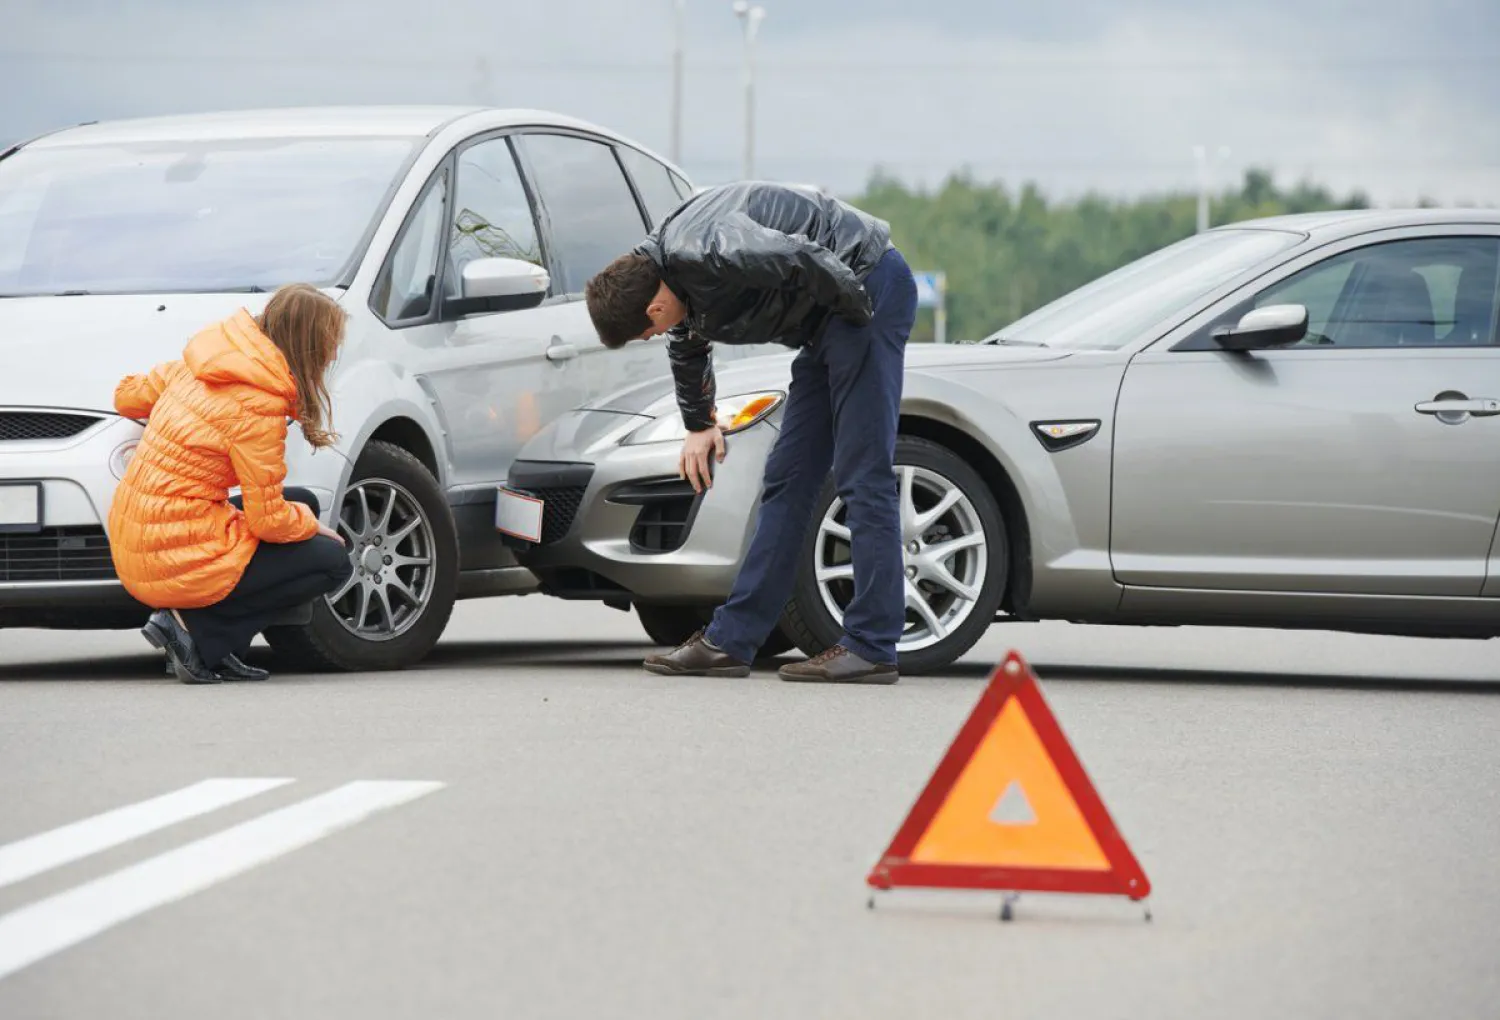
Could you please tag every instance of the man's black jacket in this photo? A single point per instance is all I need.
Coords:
(759, 263)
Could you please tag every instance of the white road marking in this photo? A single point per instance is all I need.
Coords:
(58, 922)
(32, 856)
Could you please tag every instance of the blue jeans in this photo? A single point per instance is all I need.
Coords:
(841, 413)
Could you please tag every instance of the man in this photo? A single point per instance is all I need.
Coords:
(753, 263)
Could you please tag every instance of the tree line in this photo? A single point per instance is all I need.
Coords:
(1007, 252)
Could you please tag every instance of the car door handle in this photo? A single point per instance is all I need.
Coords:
(560, 351)
(1479, 407)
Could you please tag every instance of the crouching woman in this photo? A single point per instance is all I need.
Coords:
(219, 570)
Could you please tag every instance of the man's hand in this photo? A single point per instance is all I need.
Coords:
(325, 530)
(697, 448)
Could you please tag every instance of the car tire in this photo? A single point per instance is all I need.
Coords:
(333, 641)
(814, 627)
(670, 626)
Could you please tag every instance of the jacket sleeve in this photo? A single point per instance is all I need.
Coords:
(693, 374)
(136, 395)
(257, 450)
(767, 258)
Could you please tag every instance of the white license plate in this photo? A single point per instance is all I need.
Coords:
(20, 507)
(518, 514)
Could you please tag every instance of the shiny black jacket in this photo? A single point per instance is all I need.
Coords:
(759, 263)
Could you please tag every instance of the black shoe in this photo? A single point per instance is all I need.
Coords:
(164, 632)
(696, 657)
(838, 665)
(233, 669)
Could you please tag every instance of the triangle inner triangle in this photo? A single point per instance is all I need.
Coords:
(1013, 808)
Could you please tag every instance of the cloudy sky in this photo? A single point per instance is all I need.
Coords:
(1396, 98)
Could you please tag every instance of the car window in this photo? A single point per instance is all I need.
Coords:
(684, 189)
(591, 213)
(1113, 310)
(406, 287)
(653, 181)
(191, 216)
(1425, 292)
(492, 215)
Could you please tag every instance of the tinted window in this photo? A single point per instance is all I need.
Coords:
(190, 216)
(406, 289)
(1429, 292)
(492, 216)
(653, 181)
(590, 209)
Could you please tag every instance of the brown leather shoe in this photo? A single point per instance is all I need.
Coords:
(838, 665)
(696, 657)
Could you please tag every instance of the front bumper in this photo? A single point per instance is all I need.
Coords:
(618, 522)
(63, 574)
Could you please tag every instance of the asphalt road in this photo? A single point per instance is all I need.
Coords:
(530, 827)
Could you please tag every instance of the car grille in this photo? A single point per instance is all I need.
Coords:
(56, 554)
(559, 509)
(20, 425)
(668, 507)
(560, 487)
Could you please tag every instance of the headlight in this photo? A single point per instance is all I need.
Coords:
(120, 459)
(734, 414)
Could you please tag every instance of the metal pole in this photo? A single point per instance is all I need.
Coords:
(677, 45)
(750, 18)
(1200, 154)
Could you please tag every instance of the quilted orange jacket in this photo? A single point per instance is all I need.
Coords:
(218, 418)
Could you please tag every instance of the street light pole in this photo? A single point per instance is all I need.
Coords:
(1200, 154)
(750, 18)
(677, 44)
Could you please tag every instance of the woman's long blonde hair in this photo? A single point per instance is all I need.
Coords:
(307, 326)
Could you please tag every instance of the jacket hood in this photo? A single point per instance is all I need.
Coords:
(236, 351)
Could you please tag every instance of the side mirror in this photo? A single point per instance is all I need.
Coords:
(500, 285)
(1271, 326)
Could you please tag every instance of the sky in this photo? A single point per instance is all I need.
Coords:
(1396, 99)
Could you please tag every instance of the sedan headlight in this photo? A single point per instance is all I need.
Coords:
(734, 414)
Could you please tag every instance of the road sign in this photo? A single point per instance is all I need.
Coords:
(932, 292)
(930, 287)
(1010, 808)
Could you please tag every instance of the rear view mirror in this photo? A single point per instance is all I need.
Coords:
(1271, 326)
(500, 285)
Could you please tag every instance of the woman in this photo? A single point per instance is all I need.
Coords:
(218, 571)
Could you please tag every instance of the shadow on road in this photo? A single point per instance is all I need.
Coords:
(627, 655)
(1234, 678)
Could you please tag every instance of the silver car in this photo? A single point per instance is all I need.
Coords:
(458, 240)
(1293, 422)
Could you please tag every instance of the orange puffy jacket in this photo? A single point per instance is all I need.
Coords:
(218, 418)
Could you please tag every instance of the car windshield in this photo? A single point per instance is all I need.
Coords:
(1113, 310)
(173, 217)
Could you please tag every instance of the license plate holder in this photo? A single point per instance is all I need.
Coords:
(20, 507)
(518, 514)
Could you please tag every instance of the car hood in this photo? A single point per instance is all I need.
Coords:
(71, 351)
(774, 371)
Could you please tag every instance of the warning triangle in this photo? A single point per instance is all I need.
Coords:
(1011, 808)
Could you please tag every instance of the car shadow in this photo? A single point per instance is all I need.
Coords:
(564, 655)
(1075, 671)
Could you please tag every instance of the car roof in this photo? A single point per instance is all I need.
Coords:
(1327, 225)
(326, 121)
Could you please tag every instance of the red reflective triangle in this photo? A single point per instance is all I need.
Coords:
(1011, 808)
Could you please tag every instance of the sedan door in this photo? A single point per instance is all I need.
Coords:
(1364, 459)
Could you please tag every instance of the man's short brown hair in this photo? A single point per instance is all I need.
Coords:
(619, 296)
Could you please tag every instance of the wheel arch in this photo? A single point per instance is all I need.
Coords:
(917, 425)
